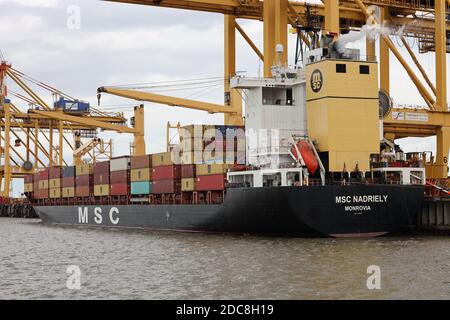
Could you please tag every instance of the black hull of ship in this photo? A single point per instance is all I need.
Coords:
(338, 211)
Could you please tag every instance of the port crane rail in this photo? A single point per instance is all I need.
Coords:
(423, 20)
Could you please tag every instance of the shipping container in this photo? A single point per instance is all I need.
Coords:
(28, 178)
(101, 167)
(119, 164)
(120, 189)
(68, 182)
(212, 169)
(44, 174)
(188, 184)
(141, 175)
(42, 194)
(193, 157)
(55, 183)
(188, 171)
(209, 133)
(43, 184)
(162, 159)
(172, 172)
(141, 162)
(166, 186)
(194, 144)
(141, 188)
(84, 180)
(84, 169)
(220, 133)
(83, 191)
(191, 131)
(101, 178)
(214, 182)
(36, 184)
(55, 193)
(28, 187)
(68, 192)
(68, 171)
(119, 177)
(101, 190)
(54, 172)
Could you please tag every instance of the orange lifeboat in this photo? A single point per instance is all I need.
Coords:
(307, 154)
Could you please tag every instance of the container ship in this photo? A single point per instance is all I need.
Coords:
(310, 160)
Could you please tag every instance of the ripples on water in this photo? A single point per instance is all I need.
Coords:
(124, 264)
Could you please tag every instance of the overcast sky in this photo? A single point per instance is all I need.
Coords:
(122, 44)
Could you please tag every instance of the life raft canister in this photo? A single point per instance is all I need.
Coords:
(307, 154)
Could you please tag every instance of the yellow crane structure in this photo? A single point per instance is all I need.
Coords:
(423, 20)
(43, 124)
(96, 149)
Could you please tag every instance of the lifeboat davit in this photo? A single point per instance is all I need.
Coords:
(307, 154)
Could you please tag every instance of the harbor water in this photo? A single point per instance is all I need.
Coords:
(37, 260)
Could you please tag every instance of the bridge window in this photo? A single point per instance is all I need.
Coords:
(341, 68)
(364, 69)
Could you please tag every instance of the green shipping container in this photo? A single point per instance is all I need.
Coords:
(141, 187)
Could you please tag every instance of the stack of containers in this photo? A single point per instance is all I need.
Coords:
(210, 135)
(120, 176)
(42, 192)
(227, 151)
(188, 177)
(36, 184)
(28, 184)
(101, 179)
(211, 177)
(166, 175)
(84, 180)
(68, 182)
(191, 141)
(141, 175)
(55, 182)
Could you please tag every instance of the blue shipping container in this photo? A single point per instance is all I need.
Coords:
(141, 187)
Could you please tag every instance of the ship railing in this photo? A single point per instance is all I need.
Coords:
(343, 57)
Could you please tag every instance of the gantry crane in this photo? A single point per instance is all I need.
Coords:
(423, 20)
(38, 123)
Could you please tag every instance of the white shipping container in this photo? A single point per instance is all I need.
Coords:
(119, 164)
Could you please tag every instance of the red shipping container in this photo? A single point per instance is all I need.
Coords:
(172, 172)
(188, 171)
(55, 172)
(166, 186)
(120, 189)
(141, 162)
(101, 178)
(213, 182)
(85, 180)
(83, 191)
(42, 194)
(119, 177)
(68, 182)
(101, 167)
(28, 178)
(44, 174)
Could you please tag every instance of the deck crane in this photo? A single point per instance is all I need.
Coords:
(94, 148)
(422, 20)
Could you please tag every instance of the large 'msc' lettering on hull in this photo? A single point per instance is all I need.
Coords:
(83, 215)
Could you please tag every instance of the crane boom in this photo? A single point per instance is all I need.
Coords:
(170, 101)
